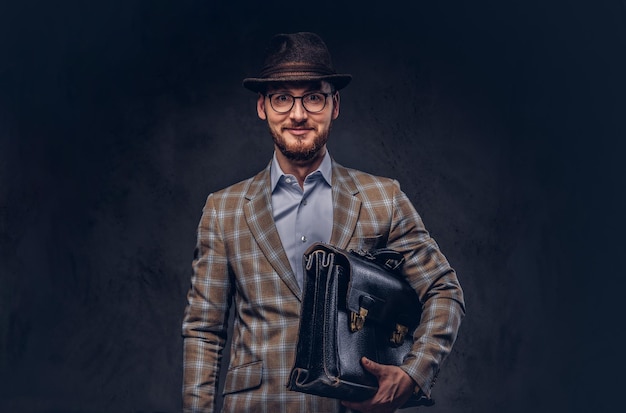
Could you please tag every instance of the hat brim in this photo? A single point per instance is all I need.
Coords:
(257, 84)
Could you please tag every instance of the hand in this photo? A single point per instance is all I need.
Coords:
(395, 387)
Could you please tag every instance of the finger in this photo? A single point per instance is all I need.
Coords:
(359, 407)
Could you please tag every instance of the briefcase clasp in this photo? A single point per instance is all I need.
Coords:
(397, 337)
(357, 320)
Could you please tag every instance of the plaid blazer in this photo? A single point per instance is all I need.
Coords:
(240, 259)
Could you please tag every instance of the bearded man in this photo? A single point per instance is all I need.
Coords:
(252, 237)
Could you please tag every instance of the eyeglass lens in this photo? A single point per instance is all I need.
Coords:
(312, 102)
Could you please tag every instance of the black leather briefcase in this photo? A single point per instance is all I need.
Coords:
(355, 304)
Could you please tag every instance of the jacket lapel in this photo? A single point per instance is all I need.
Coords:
(346, 206)
(258, 213)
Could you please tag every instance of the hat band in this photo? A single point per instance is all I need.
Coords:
(296, 69)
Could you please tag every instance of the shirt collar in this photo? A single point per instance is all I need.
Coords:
(325, 169)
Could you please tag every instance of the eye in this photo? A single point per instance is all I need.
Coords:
(315, 97)
(282, 98)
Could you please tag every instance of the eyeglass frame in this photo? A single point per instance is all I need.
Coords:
(326, 96)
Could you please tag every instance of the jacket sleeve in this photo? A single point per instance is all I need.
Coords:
(436, 283)
(206, 315)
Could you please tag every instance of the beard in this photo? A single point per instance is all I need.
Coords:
(300, 151)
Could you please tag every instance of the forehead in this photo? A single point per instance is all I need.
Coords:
(299, 86)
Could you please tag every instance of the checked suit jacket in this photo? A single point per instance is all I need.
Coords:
(240, 260)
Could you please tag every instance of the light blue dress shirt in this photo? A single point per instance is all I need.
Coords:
(302, 215)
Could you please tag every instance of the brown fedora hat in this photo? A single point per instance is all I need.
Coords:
(296, 57)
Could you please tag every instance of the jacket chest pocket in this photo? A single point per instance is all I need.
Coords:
(367, 243)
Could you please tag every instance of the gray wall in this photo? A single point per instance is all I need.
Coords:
(504, 123)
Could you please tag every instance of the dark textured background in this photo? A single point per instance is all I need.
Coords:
(503, 121)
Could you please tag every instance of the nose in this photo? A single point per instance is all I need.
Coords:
(298, 112)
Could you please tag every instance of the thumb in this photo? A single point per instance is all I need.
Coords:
(371, 366)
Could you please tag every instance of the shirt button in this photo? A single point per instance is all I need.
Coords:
(304, 202)
(288, 180)
(303, 239)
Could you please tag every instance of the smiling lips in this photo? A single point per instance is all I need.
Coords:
(298, 131)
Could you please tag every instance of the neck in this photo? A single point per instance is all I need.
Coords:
(300, 169)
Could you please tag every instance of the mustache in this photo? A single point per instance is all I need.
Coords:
(295, 125)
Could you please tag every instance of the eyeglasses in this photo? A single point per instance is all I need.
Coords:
(312, 102)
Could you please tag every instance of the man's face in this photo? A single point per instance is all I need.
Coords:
(299, 134)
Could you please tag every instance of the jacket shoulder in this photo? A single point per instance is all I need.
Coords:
(244, 188)
(364, 181)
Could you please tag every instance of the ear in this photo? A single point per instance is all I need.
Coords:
(260, 106)
(336, 100)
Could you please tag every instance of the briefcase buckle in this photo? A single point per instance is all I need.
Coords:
(357, 320)
(397, 337)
